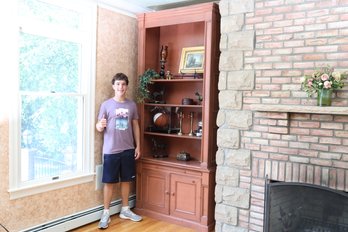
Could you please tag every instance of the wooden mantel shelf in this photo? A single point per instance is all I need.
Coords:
(299, 109)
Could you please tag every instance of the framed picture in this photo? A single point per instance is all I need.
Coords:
(192, 60)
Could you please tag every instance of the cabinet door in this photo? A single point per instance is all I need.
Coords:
(185, 200)
(156, 190)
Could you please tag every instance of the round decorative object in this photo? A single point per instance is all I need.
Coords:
(183, 156)
(160, 119)
(187, 101)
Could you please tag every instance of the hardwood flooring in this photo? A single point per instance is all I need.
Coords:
(146, 225)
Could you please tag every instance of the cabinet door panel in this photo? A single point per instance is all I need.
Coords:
(185, 197)
(156, 191)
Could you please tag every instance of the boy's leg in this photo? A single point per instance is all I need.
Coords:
(105, 218)
(125, 190)
(127, 178)
(126, 213)
(108, 190)
(110, 177)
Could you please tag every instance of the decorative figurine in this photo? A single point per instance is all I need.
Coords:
(158, 149)
(158, 97)
(199, 97)
(169, 75)
(164, 54)
(199, 129)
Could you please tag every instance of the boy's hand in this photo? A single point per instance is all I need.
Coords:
(102, 123)
(137, 153)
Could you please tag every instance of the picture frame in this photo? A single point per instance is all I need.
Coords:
(192, 60)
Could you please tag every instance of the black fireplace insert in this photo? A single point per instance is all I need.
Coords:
(299, 207)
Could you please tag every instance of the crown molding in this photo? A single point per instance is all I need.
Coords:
(123, 7)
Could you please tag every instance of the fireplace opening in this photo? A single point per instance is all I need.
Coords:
(299, 207)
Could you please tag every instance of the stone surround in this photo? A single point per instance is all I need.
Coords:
(267, 125)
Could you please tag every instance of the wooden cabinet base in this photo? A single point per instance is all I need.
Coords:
(177, 194)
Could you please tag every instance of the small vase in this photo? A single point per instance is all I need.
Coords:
(324, 97)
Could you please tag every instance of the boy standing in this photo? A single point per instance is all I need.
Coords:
(119, 121)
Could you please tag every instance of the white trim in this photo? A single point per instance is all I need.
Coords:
(123, 7)
(16, 193)
(91, 90)
(79, 219)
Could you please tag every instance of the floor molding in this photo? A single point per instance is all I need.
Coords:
(79, 219)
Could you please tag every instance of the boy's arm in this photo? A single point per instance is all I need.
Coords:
(136, 133)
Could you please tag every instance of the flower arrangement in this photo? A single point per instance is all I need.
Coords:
(323, 78)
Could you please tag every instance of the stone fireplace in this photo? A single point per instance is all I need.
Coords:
(266, 124)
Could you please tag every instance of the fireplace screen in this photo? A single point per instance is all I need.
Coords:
(296, 207)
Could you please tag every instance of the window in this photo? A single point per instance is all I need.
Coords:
(54, 131)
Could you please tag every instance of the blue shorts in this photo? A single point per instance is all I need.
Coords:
(119, 167)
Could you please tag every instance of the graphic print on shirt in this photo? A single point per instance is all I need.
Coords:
(121, 119)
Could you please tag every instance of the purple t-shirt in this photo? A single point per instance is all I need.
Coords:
(118, 134)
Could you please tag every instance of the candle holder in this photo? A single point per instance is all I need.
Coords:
(181, 116)
(191, 118)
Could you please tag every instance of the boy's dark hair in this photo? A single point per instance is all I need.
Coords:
(119, 77)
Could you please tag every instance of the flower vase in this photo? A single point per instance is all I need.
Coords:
(324, 97)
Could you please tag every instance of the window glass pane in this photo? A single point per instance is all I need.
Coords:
(54, 69)
(49, 142)
(48, 13)
(47, 64)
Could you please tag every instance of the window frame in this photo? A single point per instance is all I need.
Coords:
(17, 189)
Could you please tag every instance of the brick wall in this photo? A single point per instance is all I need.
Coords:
(292, 38)
(266, 47)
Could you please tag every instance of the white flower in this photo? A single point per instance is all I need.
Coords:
(336, 75)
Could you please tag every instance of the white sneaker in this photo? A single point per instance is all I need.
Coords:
(104, 221)
(128, 214)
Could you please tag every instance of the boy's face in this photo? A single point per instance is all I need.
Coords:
(120, 87)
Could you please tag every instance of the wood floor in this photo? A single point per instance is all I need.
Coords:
(146, 225)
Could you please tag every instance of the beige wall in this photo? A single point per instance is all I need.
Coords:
(116, 52)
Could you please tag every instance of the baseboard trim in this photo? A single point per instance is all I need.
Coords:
(79, 219)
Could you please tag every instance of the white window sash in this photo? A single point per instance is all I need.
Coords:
(87, 71)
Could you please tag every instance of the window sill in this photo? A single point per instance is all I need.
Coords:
(16, 193)
(299, 109)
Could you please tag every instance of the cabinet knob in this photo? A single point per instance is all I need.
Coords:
(173, 194)
(167, 193)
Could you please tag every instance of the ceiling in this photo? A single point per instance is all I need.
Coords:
(140, 6)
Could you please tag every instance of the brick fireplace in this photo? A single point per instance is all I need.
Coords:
(293, 147)
(266, 124)
(286, 147)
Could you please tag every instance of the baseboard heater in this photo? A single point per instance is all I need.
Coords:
(79, 219)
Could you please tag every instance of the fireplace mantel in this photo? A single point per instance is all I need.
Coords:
(299, 109)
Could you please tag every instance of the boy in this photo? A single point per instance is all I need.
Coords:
(119, 121)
